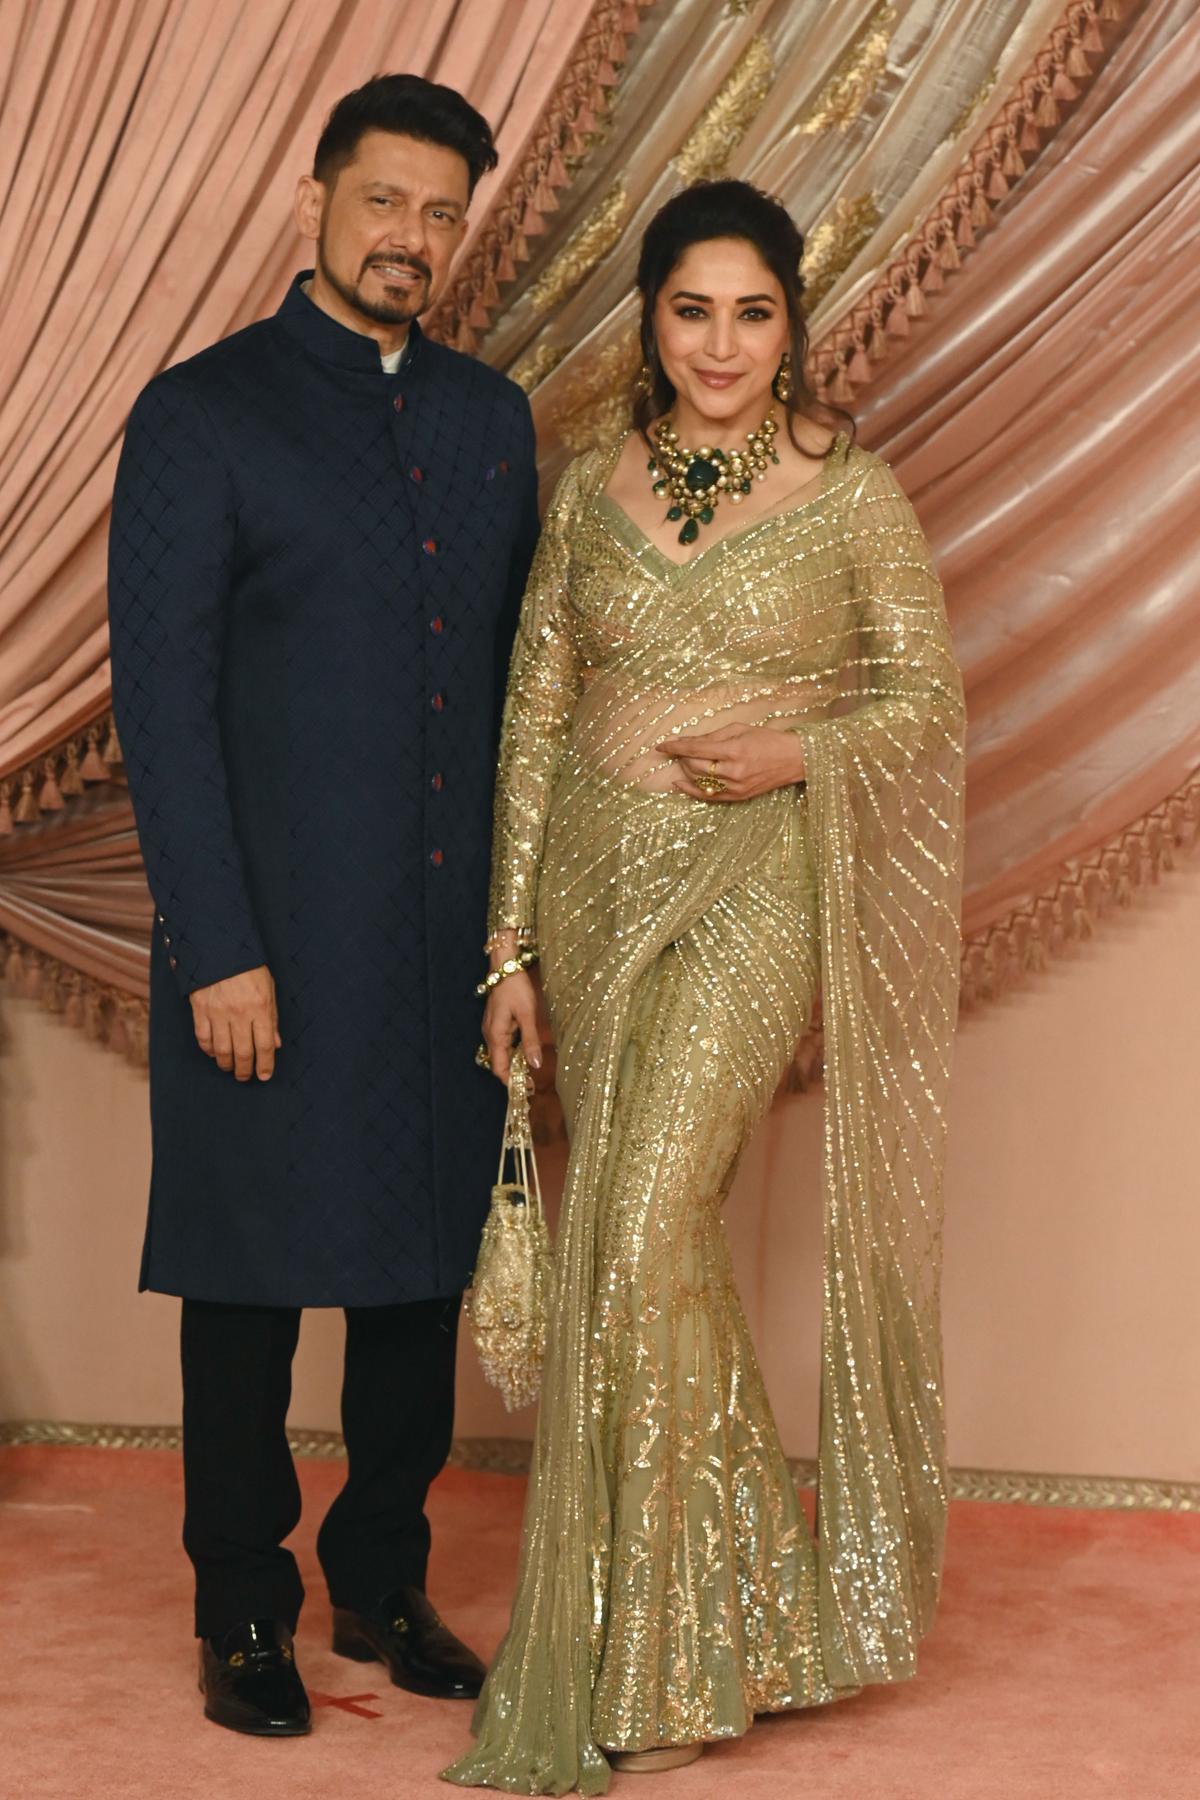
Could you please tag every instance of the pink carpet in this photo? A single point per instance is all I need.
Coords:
(1064, 1664)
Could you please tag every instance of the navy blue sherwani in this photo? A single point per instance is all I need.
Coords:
(315, 572)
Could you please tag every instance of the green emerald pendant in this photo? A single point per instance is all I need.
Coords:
(690, 532)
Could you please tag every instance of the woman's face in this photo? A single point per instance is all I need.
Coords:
(721, 326)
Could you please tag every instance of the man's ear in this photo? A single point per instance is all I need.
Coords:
(309, 205)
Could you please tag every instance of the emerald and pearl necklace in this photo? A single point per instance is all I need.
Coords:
(695, 480)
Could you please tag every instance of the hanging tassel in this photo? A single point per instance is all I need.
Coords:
(479, 315)
(606, 75)
(841, 391)
(70, 782)
(914, 301)
(118, 1036)
(629, 18)
(6, 818)
(877, 342)
(14, 966)
(556, 170)
(1077, 63)
(532, 225)
(50, 798)
(981, 212)
(506, 268)
(111, 753)
(93, 1015)
(1063, 86)
(859, 368)
(932, 279)
(1014, 163)
(897, 320)
(1047, 113)
(464, 339)
(520, 248)
(31, 987)
(965, 235)
(52, 1000)
(1110, 12)
(26, 810)
(544, 197)
(1091, 39)
(948, 255)
(585, 120)
(997, 186)
(73, 1010)
(1030, 139)
(91, 768)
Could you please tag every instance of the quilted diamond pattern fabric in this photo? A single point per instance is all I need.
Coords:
(314, 574)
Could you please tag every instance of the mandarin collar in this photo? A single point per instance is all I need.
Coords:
(328, 340)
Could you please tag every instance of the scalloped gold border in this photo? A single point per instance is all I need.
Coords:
(510, 1456)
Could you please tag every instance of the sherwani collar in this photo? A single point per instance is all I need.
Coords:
(323, 337)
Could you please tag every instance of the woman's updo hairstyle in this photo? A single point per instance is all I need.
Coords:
(696, 215)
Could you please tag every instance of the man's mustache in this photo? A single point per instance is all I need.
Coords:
(398, 262)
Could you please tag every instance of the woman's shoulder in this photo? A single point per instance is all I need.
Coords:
(586, 474)
(861, 472)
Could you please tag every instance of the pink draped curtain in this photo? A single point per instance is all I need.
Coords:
(1046, 421)
(1033, 382)
(148, 158)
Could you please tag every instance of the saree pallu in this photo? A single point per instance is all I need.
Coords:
(669, 1586)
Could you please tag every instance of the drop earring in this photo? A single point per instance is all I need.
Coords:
(782, 384)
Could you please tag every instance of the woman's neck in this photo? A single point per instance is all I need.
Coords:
(694, 428)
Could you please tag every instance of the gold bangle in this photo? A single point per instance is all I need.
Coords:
(514, 965)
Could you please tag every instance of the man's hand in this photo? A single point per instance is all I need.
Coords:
(237, 1023)
(749, 759)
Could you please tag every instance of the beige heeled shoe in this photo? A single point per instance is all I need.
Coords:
(651, 1762)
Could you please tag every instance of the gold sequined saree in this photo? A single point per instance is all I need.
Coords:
(669, 1586)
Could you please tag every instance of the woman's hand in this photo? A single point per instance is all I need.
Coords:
(511, 1011)
(749, 759)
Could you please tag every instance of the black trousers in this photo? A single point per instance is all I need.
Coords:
(241, 1495)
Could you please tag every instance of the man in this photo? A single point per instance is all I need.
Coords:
(321, 530)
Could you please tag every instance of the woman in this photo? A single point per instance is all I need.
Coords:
(731, 770)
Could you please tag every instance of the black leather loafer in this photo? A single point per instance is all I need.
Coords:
(250, 1681)
(420, 1653)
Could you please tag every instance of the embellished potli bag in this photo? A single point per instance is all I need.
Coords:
(508, 1302)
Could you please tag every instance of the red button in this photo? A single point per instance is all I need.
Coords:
(430, 546)
(398, 402)
(438, 701)
(435, 782)
(435, 857)
(436, 626)
(503, 466)
(417, 474)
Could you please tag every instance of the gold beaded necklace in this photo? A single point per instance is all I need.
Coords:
(695, 480)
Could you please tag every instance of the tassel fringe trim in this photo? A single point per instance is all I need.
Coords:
(1068, 913)
(53, 779)
(573, 119)
(852, 351)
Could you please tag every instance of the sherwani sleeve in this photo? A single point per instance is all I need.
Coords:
(171, 553)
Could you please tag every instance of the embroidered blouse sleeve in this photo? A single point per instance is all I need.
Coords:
(544, 683)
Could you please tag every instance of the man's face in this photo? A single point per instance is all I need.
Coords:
(388, 226)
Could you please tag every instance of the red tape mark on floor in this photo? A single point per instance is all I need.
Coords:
(351, 1703)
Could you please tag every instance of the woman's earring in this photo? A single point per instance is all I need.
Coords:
(645, 380)
(782, 384)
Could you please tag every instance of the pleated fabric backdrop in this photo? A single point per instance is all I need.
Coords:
(1000, 199)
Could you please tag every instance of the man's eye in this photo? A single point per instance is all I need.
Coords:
(380, 200)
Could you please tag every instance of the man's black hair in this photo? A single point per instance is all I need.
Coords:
(414, 107)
